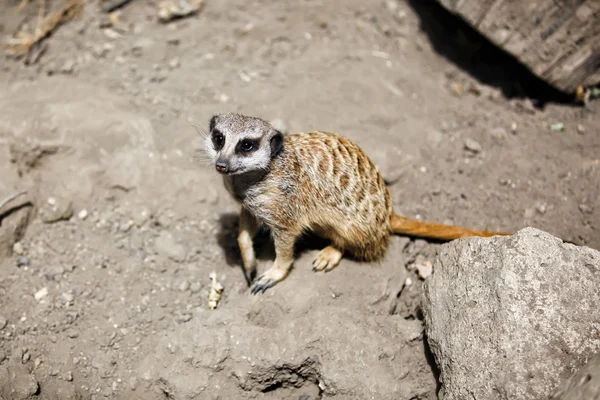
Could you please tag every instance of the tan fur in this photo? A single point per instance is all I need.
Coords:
(320, 182)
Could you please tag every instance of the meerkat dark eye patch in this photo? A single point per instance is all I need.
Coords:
(247, 145)
(218, 139)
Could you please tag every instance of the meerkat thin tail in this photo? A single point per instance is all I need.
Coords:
(431, 230)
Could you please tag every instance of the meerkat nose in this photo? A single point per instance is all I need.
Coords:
(221, 166)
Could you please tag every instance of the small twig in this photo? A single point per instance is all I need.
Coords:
(11, 198)
(115, 5)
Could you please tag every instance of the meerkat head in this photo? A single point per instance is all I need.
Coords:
(239, 144)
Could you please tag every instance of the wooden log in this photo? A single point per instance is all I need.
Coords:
(558, 40)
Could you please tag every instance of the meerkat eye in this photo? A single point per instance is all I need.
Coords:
(247, 145)
(218, 139)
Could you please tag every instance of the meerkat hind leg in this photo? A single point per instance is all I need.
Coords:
(327, 259)
(284, 258)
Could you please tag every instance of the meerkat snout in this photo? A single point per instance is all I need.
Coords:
(239, 145)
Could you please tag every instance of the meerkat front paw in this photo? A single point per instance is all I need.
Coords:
(327, 259)
(269, 279)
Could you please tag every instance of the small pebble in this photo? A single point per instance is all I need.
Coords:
(513, 127)
(37, 362)
(184, 286)
(26, 357)
(82, 215)
(3, 322)
(472, 146)
(580, 129)
(73, 334)
(541, 208)
(174, 63)
(18, 249)
(54, 372)
(22, 261)
(133, 383)
(69, 376)
(2, 356)
(40, 294)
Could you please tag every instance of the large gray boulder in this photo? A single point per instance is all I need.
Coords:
(584, 384)
(511, 317)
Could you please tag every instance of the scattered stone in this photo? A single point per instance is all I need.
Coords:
(3, 322)
(184, 286)
(424, 269)
(68, 298)
(63, 214)
(2, 356)
(558, 127)
(126, 226)
(26, 357)
(585, 209)
(166, 245)
(68, 67)
(40, 294)
(499, 133)
(472, 145)
(133, 383)
(69, 376)
(18, 249)
(580, 129)
(508, 305)
(37, 362)
(171, 9)
(73, 334)
(83, 214)
(541, 208)
(22, 261)
(174, 63)
(513, 127)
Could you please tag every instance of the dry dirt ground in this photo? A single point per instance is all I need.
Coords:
(108, 118)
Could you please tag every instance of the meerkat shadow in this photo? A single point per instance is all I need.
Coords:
(263, 243)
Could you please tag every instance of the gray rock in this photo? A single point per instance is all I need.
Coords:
(17, 383)
(511, 317)
(584, 384)
(473, 146)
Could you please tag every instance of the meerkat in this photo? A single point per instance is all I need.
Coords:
(316, 182)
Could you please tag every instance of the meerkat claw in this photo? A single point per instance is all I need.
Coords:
(250, 276)
(262, 287)
(269, 279)
(327, 259)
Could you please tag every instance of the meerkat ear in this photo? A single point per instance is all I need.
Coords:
(276, 143)
(213, 121)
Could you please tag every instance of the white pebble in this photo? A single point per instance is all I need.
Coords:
(18, 249)
(83, 214)
(40, 294)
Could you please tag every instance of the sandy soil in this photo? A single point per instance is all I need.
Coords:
(109, 118)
